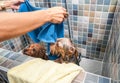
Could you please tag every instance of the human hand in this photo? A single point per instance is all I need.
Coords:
(56, 14)
(14, 4)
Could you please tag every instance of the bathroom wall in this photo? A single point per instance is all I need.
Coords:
(90, 21)
(111, 60)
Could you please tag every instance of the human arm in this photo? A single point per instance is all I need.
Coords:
(16, 24)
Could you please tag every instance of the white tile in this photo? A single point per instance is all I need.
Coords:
(75, 1)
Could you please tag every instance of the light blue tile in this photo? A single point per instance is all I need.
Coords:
(91, 78)
(75, 7)
(103, 80)
(107, 2)
(86, 1)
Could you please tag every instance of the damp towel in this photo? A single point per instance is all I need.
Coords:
(47, 33)
(43, 71)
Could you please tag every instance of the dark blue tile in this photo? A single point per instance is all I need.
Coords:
(105, 42)
(93, 48)
(79, 42)
(106, 37)
(12, 46)
(103, 80)
(36, 4)
(75, 12)
(110, 15)
(108, 27)
(109, 21)
(99, 45)
(89, 34)
(84, 42)
(97, 49)
(107, 32)
(106, 2)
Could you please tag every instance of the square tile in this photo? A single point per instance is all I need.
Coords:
(86, 7)
(21, 58)
(107, 2)
(105, 8)
(99, 8)
(6, 63)
(103, 80)
(93, 1)
(100, 2)
(113, 2)
(91, 78)
(81, 7)
(92, 7)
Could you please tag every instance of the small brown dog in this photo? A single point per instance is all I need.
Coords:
(65, 49)
(36, 50)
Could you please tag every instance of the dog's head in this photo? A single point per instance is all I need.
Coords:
(36, 50)
(65, 49)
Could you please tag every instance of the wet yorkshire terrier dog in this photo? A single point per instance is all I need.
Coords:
(36, 50)
(65, 49)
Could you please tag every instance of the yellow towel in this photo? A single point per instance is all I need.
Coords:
(42, 71)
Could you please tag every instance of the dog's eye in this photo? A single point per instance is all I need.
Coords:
(33, 49)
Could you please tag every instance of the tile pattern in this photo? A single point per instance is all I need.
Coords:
(13, 59)
(90, 21)
(15, 44)
(111, 59)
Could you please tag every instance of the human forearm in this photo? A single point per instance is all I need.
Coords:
(15, 24)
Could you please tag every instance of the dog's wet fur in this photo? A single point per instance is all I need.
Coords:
(63, 47)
